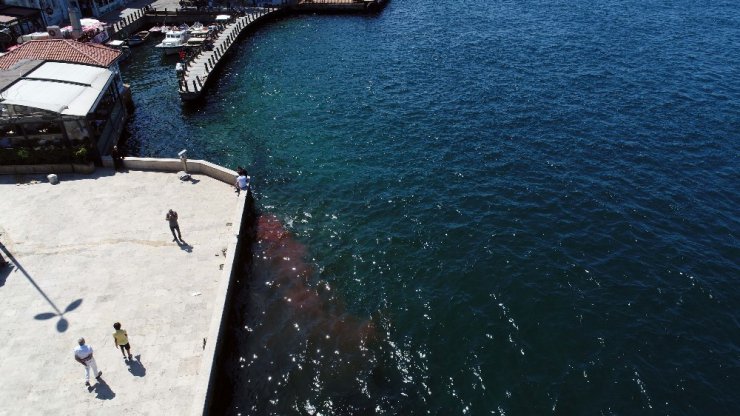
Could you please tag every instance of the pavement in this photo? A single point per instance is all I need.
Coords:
(93, 250)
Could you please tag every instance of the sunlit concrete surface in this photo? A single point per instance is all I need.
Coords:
(93, 250)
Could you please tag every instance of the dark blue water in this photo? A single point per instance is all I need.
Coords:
(500, 207)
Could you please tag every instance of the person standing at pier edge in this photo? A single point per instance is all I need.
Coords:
(117, 156)
(120, 338)
(84, 356)
(172, 218)
(242, 181)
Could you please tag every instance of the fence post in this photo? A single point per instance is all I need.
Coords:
(195, 86)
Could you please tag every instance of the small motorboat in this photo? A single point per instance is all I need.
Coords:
(174, 41)
(138, 38)
(159, 30)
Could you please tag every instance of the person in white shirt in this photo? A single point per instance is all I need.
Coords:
(84, 356)
(242, 181)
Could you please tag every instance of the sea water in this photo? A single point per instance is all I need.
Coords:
(493, 207)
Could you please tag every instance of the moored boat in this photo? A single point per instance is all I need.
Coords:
(160, 29)
(174, 41)
(138, 38)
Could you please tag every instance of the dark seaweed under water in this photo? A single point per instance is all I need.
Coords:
(498, 207)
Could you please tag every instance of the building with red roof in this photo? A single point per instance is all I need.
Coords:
(61, 50)
(61, 101)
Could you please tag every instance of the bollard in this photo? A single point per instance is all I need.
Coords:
(195, 87)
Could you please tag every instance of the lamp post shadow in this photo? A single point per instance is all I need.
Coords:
(62, 323)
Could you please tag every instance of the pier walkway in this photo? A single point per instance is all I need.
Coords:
(198, 70)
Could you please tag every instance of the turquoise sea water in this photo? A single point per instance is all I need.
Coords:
(508, 208)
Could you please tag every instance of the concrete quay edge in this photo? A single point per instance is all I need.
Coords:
(206, 375)
(202, 167)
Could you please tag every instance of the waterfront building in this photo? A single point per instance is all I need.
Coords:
(56, 12)
(61, 101)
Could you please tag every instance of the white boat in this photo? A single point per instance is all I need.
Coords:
(174, 41)
(200, 31)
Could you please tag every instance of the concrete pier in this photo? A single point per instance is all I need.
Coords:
(96, 249)
(199, 70)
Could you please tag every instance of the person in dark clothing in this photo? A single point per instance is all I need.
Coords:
(172, 218)
(117, 156)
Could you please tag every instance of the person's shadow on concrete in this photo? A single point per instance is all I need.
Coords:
(135, 367)
(185, 246)
(102, 390)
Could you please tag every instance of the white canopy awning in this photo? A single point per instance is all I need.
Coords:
(64, 88)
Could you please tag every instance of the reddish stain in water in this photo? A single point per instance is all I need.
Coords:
(282, 258)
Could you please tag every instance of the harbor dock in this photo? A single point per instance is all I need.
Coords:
(198, 70)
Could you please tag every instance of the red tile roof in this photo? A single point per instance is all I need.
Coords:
(63, 50)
